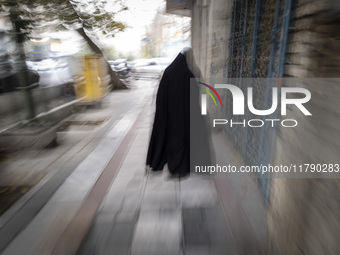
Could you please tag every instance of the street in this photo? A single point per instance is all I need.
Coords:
(91, 194)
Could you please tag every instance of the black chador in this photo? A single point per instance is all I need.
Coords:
(170, 137)
(177, 108)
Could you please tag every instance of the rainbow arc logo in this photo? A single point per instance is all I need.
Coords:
(204, 96)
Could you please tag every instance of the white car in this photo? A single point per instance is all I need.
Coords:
(149, 68)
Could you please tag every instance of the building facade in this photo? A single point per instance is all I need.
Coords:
(281, 39)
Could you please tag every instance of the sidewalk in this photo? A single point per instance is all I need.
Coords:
(92, 195)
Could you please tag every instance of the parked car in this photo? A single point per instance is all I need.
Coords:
(121, 68)
(149, 68)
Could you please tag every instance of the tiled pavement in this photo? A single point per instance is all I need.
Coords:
(96, 197)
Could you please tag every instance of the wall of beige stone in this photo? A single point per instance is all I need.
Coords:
(303, 215)
(211, 25)
(303, 212)
(211, 28)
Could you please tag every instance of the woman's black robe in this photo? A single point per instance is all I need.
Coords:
(171, 136)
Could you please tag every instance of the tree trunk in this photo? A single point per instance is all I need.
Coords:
(23, 71)
(116, 83)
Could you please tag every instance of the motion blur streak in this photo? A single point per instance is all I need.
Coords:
(78, 85)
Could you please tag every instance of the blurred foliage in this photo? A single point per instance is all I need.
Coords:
(90, 18)
(109, 52)
(86, 50)
(37, 16)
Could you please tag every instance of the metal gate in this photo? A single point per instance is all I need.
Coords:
(257, 50)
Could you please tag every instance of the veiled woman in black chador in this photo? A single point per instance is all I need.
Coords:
(170, 137)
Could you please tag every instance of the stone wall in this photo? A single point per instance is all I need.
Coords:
(211, 24)
(303, 214)
(211, 31)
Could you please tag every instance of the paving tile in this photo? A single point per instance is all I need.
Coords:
(244, 235)
(250, 197)
(121, 236)
(206, 232)
(156, 183)
(97, 237)
(160, 200)
(194, 228)
(198, 198)
(126, 201)
(158, 233)
(198, 250)
(221, 239)
(198, 192)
